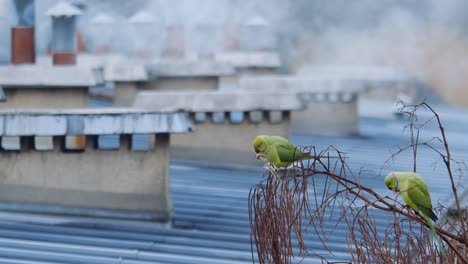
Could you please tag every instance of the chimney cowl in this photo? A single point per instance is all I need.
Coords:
(102, 18)
(142, 17)
(64, 9)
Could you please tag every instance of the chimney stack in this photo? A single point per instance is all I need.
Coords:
(103, 33)
(230, 34)
(204, 39)
(257, 35)
(22, 32)
(64, 37)
(175, 41)
(145, 34)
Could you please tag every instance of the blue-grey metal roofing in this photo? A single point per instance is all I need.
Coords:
(210, 220)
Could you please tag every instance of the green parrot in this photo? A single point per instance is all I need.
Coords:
(278, 151)
(413, 189)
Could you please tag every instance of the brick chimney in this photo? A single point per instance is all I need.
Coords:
(22, 32)
(175, 41)
(64, 37)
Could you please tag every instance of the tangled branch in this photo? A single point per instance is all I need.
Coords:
(315, 196)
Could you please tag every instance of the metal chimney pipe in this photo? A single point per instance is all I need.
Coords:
(64, 37)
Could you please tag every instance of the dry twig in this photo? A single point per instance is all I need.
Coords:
(315, 196)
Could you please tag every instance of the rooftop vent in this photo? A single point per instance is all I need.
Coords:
(175, 41)
(257, 35)
(145, 32)
(103, 33)
(64, 37)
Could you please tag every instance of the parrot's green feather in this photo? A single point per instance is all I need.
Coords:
(414, 191)
(434, 233)
(289, 153)
(278, 151)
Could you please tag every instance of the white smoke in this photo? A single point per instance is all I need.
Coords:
(426, 39)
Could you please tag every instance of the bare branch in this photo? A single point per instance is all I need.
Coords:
(317, 193)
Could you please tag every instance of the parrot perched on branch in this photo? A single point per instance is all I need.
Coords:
(278, 151)
(413, 189)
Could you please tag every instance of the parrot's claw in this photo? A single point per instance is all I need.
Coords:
(260, 156)
(274, 171)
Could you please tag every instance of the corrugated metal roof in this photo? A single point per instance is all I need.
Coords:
(218, 101)
(100, 121)
(210, 220)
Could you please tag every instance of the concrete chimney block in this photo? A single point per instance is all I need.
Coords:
(75, 142)
(218, 117)
(256, 117)
(334, 97)
(275, 117)
(142, 142)
(348, 97)
(236, 117)
(11, 143)
(108, 142)
(320, 97)
(306, 97)
(43, 143)
(199, 117)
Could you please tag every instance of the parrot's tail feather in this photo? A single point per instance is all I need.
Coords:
(434, 233)
(431, 215)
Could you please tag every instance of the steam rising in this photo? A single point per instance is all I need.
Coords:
(425, 38)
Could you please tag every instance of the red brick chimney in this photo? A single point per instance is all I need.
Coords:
(22, 33)
(22, 45)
